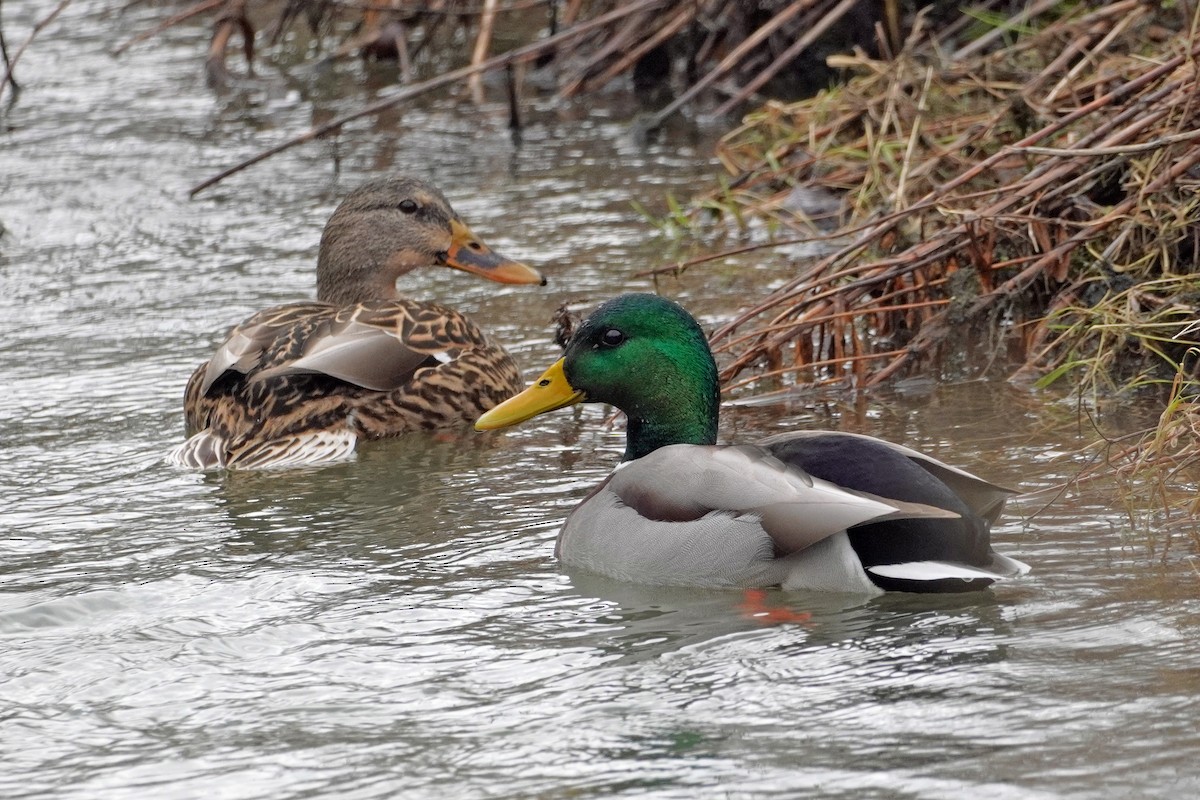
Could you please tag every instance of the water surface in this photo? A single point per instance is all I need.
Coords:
(397, 627)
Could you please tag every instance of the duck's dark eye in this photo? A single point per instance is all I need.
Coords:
(408, 206)
(612, 337)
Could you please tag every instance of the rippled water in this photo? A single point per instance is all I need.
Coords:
(397, 626)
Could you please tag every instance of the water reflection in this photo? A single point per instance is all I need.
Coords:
(915, 632)
(402, 488)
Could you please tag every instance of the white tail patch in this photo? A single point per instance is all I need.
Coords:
(1009, 567)
(206, 451)
(940, 570)
(202, 451)
(317, 447)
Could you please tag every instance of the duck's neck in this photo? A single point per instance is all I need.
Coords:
(344, 282)
(676, 414)
(643, 437)
(353, 293)
(354, 266)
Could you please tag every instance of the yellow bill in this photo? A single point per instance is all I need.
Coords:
(552, 390)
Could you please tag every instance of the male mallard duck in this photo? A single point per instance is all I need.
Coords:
(302, 383)
(815, 510)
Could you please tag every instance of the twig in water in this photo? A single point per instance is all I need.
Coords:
(10, 64)
(169, 22)
(482, 42)
(8, 75)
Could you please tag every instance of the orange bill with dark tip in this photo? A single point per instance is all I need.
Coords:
(468, 253)
(552, 390)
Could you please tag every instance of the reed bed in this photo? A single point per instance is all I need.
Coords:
(1157, 473)
(750, 42)
(1044, 191)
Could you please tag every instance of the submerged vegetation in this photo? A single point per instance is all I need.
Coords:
(1156, 473)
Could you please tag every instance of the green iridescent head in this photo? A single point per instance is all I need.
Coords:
(643, 354)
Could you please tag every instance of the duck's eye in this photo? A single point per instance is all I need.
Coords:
(612, 337)
(408, 206)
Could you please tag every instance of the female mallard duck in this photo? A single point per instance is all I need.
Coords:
(816, 510)
(302, 383)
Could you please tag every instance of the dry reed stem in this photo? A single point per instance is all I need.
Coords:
(9, 80)
(824, 20)
(601, 42)
(169, 22)
(619, 67)
(231, 19)
(735, 56)
(483, 41)
(1066, 223)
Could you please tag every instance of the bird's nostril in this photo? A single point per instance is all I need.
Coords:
(476, 246)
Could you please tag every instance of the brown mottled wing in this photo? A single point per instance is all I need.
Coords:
(277, 333)
(362, 353)
(243, 350)
(290, 375)
(432, 328)
(376, 346)
(464, 375)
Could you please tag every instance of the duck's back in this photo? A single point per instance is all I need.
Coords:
(882, 469)
(322, 376)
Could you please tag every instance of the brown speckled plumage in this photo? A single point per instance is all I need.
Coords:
(302, 383)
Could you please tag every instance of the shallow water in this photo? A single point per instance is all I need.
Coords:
(397, 626)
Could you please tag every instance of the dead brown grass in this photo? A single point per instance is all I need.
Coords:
(1024, 190)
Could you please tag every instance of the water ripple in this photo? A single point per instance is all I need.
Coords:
(397, 626)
